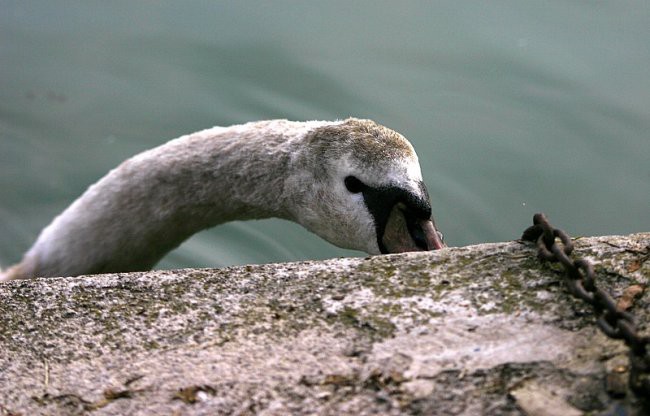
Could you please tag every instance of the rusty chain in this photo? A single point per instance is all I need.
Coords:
(580, 279)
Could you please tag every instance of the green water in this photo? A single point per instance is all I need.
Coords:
(514, 107)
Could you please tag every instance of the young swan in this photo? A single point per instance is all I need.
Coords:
(354, 183)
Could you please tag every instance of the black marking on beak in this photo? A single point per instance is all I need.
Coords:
(381, 201)
(415, 230)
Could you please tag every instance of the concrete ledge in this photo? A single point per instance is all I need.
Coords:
(484, 329)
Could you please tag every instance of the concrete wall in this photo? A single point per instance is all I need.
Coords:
(485, 329)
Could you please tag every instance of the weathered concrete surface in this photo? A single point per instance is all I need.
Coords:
(484, 329)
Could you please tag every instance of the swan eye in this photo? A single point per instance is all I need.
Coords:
(353, 184)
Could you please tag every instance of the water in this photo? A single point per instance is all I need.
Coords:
(514, 107)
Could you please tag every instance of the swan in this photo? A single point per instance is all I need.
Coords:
(353, 182)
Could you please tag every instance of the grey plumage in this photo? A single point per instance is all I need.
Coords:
(152, 202)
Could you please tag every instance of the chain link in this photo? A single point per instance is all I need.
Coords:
(581, 282)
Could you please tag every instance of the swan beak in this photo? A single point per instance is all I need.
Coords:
(405, 232)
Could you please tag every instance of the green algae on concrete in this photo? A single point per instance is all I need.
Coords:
(484, 329)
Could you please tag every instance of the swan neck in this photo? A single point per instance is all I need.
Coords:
(151, 203)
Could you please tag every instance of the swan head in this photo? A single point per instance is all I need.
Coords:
(361, 188)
